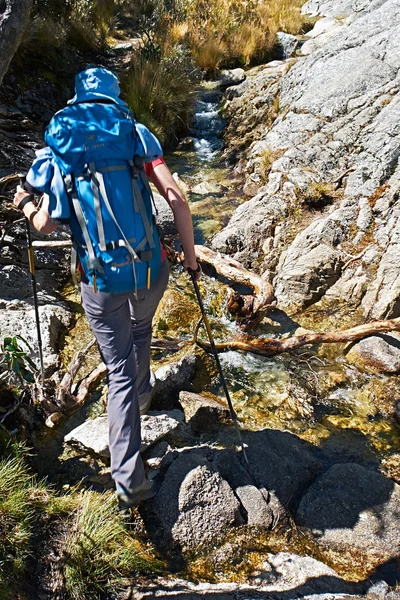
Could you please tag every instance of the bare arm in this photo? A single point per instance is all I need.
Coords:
(162, 178)
(39, 218)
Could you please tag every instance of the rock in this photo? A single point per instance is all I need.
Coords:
(356, 509)
(281, 462)
(155, 457)
(156, 426)
(286, 45)
(377, 353)
(204, 413)
(231, 77)
(18, 318)
(190, 371)
(282, 576)
(206, 188)
(175, 314)
(235, 91)
(334, 122)
(194, 506)
(164, 215)
(258, 510)
(92, 436)
(285, 572)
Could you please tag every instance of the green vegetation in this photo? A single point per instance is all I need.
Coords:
(97, 551)
(16, 358)
(18, 513)
(225, 33)
(179, 40)
(160, 93)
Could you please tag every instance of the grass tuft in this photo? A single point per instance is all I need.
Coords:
(318, 195)
(17, 518)
(99, 552)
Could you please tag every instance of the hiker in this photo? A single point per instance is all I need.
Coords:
(93, 174)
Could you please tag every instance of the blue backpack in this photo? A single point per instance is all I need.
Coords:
(98, 150)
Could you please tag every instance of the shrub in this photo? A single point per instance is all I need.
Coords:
(160, 93)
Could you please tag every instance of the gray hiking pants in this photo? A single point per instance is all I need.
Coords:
(122, 326)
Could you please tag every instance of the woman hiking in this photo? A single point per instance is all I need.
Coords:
(94, 173)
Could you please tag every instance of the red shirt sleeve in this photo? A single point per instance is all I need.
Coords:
(148, 167)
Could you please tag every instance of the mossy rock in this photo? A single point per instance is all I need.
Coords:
(176, 315)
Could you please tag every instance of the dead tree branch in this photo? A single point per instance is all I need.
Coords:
(270, 347)
(249, 310)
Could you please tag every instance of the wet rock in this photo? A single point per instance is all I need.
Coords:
(231, 77)
(281, 462)
(190, 371)
(282, 576)
(377, 353)
(175, 314)
(193, 507)
(286, 45)
(352, 507)
(206, 188)
(204, 413)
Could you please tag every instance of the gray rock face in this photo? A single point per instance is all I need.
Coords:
(175, 377)
(281, 462)
(337, 126)
(260, 512)
(378, 353)
(350, 506)
(18, 318)
(231, 77)
(286, 44)
(202, 412)
(164, 216)
(193, 507)
(92, 436)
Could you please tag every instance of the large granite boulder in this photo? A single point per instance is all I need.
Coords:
(194, 506)
(354, 509)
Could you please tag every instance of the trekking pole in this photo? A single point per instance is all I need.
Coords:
(32, 271)
(218, 363)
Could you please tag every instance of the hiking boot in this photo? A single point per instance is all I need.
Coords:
(129, 500)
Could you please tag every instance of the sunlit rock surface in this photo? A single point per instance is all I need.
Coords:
(331, 130)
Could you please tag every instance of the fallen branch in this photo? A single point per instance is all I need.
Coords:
(270, 347)
(64, 397)
(249, 310)
(92, 379)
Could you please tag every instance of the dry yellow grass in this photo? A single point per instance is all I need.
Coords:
(229, 32)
